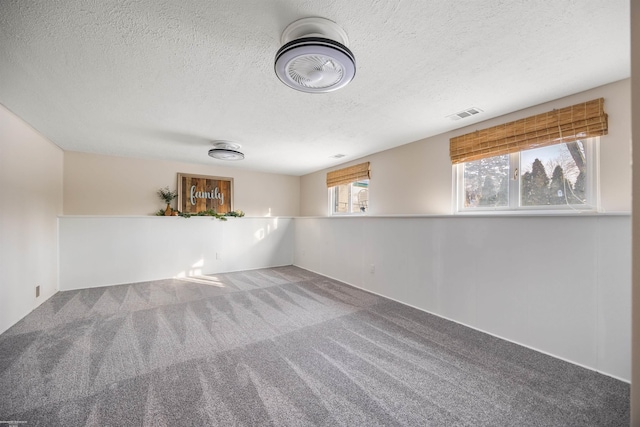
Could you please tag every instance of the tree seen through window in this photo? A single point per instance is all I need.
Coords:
(552, 175)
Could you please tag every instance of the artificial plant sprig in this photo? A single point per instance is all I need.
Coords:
(167, 195)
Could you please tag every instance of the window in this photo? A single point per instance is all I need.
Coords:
(349, 190)
(560, 176)
(546, 161)
(350, 198)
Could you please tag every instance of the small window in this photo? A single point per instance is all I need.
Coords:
(560, 176)
(349, 190)
(352, 198)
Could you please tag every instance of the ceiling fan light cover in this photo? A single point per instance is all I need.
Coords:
(224, 150)
(224, 154)
(315, 65)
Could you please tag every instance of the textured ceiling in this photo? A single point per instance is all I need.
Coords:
(162, 78)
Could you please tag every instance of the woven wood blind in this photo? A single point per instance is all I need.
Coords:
(347, 175)
(579, 121)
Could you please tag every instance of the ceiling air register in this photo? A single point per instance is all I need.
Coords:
(314, 56)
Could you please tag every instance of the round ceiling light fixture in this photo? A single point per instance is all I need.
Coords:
(314, 56)
(225, 150)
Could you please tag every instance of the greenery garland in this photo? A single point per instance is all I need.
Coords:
(209, 212)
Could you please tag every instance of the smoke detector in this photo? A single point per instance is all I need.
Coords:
(314, 56)
(225, 150)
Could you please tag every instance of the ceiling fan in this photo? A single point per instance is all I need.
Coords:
(314, 56)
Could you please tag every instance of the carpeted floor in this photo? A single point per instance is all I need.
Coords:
(279, 346)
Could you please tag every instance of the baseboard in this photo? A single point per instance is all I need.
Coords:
(38, 304)
(176, 278)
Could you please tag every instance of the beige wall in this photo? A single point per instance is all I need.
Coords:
(417, 178)
(30, 201)
(635, 108)
(105, 185)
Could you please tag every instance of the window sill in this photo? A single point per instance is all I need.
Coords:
(530, 212)
(485, 214)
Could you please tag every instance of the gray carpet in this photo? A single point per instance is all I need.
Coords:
(282, 347)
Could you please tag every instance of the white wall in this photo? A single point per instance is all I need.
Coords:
(30, 200)
(416, 178)
(558, 284)
(106, 185)
(100, 251)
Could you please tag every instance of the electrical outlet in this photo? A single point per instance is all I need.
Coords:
(218, 255)
(372, 269)
(37, 291)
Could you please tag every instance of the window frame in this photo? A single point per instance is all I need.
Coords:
(331, 204)
(592, 192)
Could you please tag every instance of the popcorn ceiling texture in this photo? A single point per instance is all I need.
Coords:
(162, 78)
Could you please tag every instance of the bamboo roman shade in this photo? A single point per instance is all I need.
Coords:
(347, 175)
(579, 121)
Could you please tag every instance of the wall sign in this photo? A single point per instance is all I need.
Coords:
(197, 193)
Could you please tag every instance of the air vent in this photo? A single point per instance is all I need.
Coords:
(465, 113)
(338, 156)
